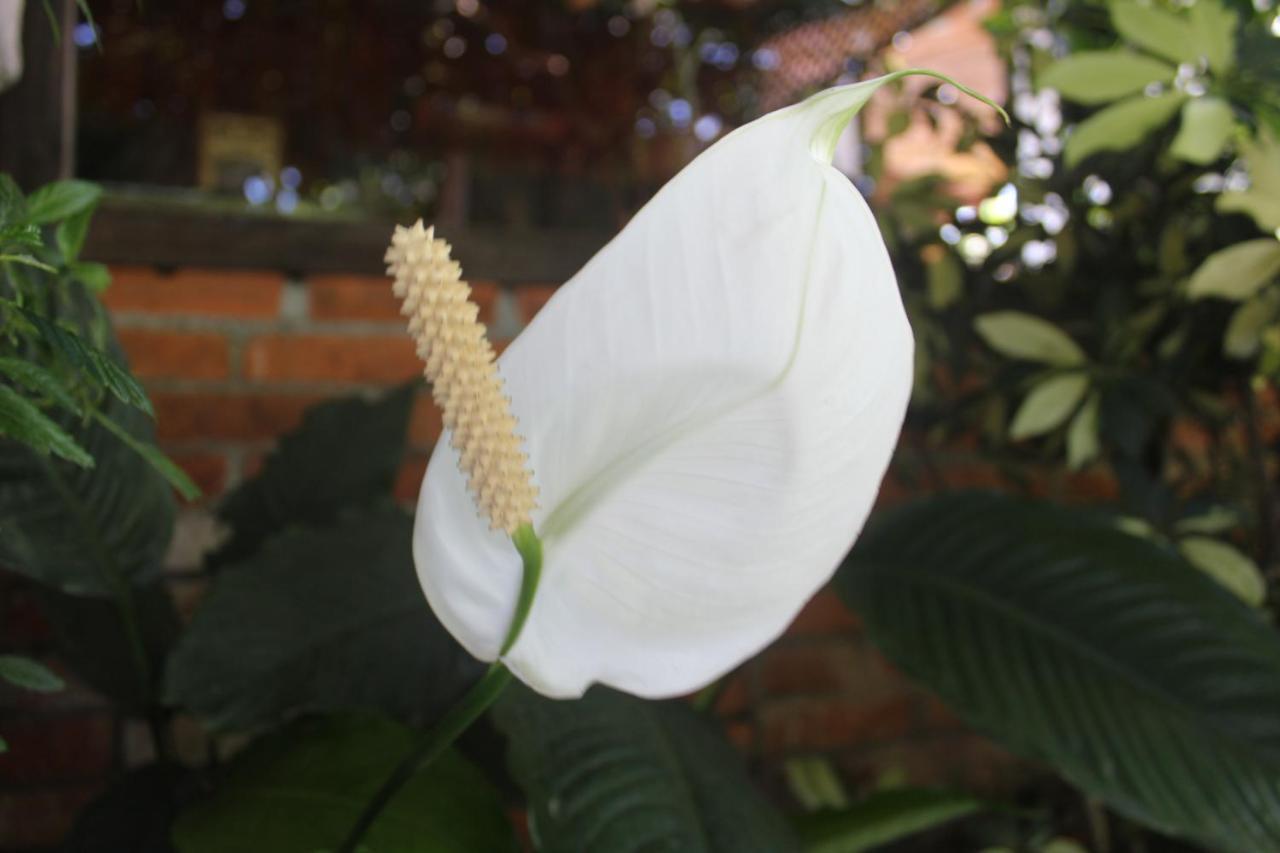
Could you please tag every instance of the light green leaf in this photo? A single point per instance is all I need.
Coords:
(1237, 272)
(96, 277)
(1063, 845)
(611, 772)
(1103, 655)
(1028, 337)
(1162, 33)
(21, 421)
(1226, 565)
(1207, 125)
(1218, 519)
(883, 818)
(71, 233)
(1249, 322)
(813, 782)
(27, 236)
(162, 464)
(1082, 435)
(1213, 34)
(1121, 126)
(1049, 405)
(60, 200)
(299, 790)
(29, 674)
(1262, 200)
(1101, 76)
(27, 261)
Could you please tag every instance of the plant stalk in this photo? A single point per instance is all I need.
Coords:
(429, 748)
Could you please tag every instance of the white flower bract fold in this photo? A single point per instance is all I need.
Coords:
(709, 407)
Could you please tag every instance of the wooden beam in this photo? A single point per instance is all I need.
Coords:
(134, 232)
(38, 115)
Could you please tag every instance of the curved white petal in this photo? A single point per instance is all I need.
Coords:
(709, 407)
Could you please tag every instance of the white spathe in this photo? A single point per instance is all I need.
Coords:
(10, 42)
(709, 408)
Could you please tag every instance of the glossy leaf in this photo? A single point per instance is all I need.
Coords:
(1121, 126)
(1102, 654)
(1025, 336)
(1102, 76)
(1237, 272)
(317, 620)
(300, 790)
(610, 772)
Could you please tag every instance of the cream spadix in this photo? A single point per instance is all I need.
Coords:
(708, 409)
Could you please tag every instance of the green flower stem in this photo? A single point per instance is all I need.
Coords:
(476, 701)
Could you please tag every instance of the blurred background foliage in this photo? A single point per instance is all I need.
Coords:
(1103, 324)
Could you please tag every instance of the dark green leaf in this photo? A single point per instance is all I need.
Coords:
(13, 207)
(90, 636)
(26, 236)
(98, 366)
(35, 378)
(616, 773)
(71, 527)
(162, 464)
(882, 818)
(27, 261)
(301, 789)
(320, 619)
(29, 674)
(71, 233)
(134, 815)
(1104, 654)
(23, 422)
(60, 200)
(344, 454)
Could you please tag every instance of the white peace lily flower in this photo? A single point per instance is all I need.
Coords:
(708, 408)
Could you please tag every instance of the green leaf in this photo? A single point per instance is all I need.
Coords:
(1162, 33)
(1207, 125)
(29, 674)
(69, 526)
(96, 365)
(1249, 322)
(1024, 336)
(295, 627)
(1049, 405)
(1237, 272)
(90, 638)
(1121, 126)
(71, 233)
(96, 277)
(344, 454)
(23, 422)
(27, 261)
(300, 790)
(134, 814)
(163, 465)
(1101, 76)
(883, 818)
(613, 772)
(25, 236)
(35, 378)
(1105, 655)
(1226, 565)
(60, 200)
(1213, 34)
(13, 207)
(1082, 435)
(1218, 519)
(1262, 200)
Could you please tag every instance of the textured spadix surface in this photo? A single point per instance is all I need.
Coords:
(708, 406)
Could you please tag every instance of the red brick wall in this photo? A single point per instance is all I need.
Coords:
(232, 359)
